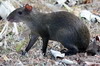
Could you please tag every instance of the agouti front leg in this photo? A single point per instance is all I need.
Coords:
(44, 47)
(33, 39)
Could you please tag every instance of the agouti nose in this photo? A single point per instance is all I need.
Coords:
(10, 19)
(0, 17)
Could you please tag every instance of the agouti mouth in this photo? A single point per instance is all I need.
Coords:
(11, 20)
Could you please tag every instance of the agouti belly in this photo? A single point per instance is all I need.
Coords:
(59, 26)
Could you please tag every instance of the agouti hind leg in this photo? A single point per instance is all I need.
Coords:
(71, 49)
(33, 39)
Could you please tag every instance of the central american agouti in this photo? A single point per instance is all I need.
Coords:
(59, 26)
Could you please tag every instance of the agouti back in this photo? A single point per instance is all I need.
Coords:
(59, 26)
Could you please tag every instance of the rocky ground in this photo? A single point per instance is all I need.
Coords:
(11, 44)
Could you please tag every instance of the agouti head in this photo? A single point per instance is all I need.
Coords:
(20, 14)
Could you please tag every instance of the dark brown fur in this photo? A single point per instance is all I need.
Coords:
(59, 26)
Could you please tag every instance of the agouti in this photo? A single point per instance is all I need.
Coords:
(59, 26)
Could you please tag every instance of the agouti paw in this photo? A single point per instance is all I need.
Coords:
(44, 53)
(23, 52)
(63, 51)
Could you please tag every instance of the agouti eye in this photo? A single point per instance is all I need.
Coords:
(19, 12)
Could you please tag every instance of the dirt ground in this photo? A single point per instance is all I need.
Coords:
(11, 56)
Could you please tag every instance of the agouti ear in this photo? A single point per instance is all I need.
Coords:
(28, 7)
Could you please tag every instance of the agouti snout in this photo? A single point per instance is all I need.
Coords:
(59, 26)
(0, 17)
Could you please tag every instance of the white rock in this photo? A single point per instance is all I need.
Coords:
(89, 16)
(68, 61)
(72, 2)
(1, 43)
(57, 53)
(61, 1)
(54, 8)
(5, 9)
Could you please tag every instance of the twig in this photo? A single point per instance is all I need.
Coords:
(68, 8)
(3, 30)
(15, 29)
